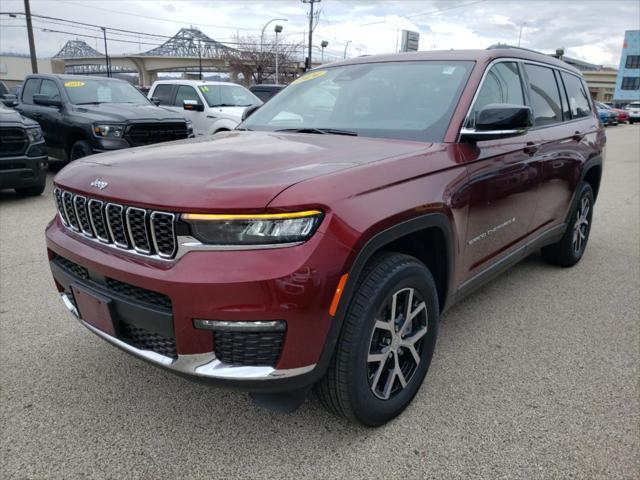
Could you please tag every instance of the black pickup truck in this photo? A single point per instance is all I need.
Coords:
(82, 115)
(23, 155)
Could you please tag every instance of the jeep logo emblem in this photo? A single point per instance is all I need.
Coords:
(99, 183)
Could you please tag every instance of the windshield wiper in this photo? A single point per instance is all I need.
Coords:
(227, 105)
(90, 103)
(332, 131)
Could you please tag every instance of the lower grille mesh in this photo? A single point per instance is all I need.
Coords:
(146, 340)
(248, 348)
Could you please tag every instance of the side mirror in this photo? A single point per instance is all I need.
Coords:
(192, 105)
(155, 101)
(249, 111)
(46, 101)
(497, 121)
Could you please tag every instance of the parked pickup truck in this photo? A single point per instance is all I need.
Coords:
(212, 107)
(84, 115)
(319, 243)
(23, 155)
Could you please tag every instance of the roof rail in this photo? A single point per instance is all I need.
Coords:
(500, 45)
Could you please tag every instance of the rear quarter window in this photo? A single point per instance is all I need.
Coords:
(579, 102)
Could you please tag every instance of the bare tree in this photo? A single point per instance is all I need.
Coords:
(256, 61)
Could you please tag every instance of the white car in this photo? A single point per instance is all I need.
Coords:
(211, 106)
(634, 112)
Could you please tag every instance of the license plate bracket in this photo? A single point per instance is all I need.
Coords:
(94, 308)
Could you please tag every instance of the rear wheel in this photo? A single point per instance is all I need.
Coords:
(81, 148)
(386, 344)
(569, 250)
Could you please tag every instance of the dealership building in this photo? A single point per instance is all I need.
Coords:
(628, 79)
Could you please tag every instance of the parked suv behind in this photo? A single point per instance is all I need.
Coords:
(212, 106)
(634, 112)
(84, 115)
(320, 242)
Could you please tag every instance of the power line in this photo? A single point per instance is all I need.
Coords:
(432, 12)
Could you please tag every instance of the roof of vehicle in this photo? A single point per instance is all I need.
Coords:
(75, 77)
(268, 85)
(484, 56)
(193, 82)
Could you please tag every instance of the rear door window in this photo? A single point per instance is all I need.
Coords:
(164, 94)
(502, 84)
(31, 86)
(579, 102)
(544, 95)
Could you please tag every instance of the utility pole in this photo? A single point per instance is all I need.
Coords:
(520, 34)
(310, 2)
(277, 29)
(106, 53)
(32, 44)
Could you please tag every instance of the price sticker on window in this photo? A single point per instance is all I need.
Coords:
(309, 76)
(204, 89)
(74, 84)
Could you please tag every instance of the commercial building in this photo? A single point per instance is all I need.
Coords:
(13, 68)
(628, 79)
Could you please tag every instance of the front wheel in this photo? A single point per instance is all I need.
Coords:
(386, 344)
(80, 149)
(31, 191)
(569, 250)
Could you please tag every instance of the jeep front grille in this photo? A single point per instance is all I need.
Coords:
(146, 232)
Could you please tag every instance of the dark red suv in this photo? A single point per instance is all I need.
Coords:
(319, 244)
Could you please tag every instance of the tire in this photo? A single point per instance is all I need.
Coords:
(569, 250)
(30, 191)
(81, 148)
(366, 356)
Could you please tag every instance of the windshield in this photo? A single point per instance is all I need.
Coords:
(103, 91)
(228, 96)
(404, 100)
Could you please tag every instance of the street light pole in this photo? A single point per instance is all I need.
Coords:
(277, 29)
(266, 25)
(200, 57)
(345, 49)
(32, 44)
(324, 44)
(520, 34)
(106, 52)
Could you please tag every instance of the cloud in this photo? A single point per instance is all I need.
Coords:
(590, 32)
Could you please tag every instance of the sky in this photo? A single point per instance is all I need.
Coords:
(590, 30)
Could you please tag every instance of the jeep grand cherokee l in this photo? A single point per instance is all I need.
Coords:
(23, 156)
(84, 115)
(320, 242)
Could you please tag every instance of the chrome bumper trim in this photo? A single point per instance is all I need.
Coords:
(204, 365)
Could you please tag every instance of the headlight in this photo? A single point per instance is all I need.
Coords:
(108, 130)
(34, 134)
(259, 229)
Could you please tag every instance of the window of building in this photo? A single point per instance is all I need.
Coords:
(633, 61)
(630, 83)
(579, 101)
(545, 97)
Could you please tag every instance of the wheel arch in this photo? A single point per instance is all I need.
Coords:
(75, 134)
(592, 175)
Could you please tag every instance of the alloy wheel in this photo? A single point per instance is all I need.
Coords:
(581, 227)
(396, 343)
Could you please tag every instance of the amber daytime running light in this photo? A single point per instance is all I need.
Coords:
(253, 229)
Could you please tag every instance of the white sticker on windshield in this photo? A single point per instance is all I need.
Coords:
(448, 70)
(104, 94)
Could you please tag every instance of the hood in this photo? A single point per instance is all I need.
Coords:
(234, 113)
(229, 171)
(8, 116)
(125, 112)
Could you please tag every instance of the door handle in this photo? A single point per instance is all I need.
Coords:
(578, 136)
(531, 148)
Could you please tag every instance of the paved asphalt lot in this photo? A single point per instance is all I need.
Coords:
(534, 376)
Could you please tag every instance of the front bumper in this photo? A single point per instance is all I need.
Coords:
(23, 171)
(292, 284)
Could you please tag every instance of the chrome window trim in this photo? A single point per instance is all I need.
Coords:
(75, 207)
(66, 211)
(173, 234)
(146, 234)
(121, 246)
(204, 365)
(104, 220)
(521, 61)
